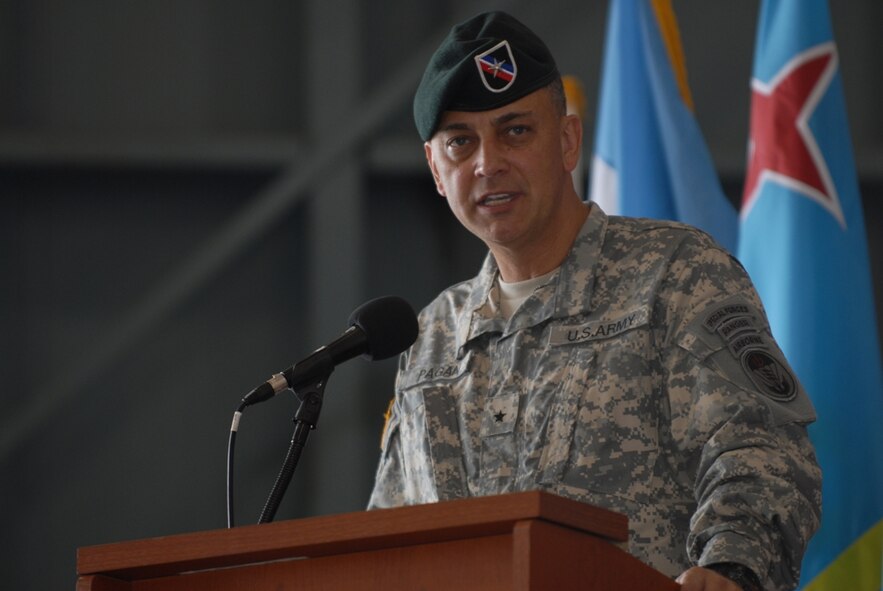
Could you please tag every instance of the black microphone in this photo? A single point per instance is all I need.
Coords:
(378, 329)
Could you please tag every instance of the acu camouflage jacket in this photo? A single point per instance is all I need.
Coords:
(642, 378)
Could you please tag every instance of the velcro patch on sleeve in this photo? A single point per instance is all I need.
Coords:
(732, 337)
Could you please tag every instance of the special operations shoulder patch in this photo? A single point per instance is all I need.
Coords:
(736, 323)
(732, 338)
(770, 376)
(497, 67)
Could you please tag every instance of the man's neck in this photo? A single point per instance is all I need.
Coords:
(529, 261)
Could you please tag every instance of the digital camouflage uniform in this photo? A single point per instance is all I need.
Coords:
(642, 378)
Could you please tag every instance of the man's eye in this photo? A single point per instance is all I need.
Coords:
(458, 141)
(518, 130)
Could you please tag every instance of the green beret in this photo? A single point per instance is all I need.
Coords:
(484, 63)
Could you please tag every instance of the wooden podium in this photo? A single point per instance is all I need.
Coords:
(522, 541)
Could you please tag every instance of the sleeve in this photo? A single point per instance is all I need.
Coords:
(739, 416)
(389, 480)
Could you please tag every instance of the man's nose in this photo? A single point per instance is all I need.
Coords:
(490, 159)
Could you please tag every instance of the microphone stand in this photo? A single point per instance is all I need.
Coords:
(311, 395)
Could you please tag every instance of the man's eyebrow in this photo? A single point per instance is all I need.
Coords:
(507, 117)
(454, 127)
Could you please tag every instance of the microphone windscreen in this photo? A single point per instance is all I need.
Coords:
(389, 323)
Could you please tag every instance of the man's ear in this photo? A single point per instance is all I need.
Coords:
(571, 141)
(427, 149)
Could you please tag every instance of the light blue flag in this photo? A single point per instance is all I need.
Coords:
(803, 242)
(650, 157)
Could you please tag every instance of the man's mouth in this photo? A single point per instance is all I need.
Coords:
(496, 199)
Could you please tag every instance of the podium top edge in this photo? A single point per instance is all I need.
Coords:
(357, 531)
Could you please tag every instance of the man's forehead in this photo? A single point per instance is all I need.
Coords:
(472, 119)
(528, 106)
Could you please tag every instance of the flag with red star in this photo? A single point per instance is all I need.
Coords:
(782, 147)
(803, 241)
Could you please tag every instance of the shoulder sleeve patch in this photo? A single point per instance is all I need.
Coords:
(769, 375)
(388, 424)
(732, 338)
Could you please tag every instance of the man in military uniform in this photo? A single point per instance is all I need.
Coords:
(622, 362)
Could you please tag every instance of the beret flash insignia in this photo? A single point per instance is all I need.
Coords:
(497, 67)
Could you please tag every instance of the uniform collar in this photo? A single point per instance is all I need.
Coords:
(568, 293)
(479, 316)
(579, 271)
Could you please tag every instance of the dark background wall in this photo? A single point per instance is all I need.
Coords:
(197, 193)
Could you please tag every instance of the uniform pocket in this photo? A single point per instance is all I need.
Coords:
(417, 473)
(445, 446)
(603, 428)
(431, 450)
